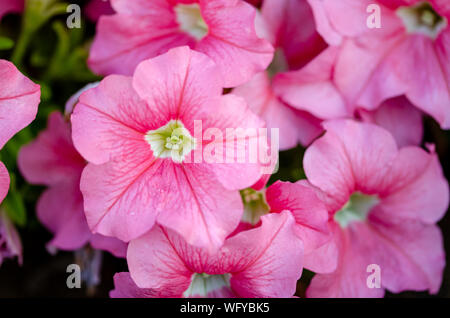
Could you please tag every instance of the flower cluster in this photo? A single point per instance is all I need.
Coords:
(167, 161)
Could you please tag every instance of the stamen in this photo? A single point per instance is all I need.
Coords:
(172, 140)
(422, 19)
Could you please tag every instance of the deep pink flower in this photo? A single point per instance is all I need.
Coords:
(409, 54)
(96, 8)
(383, 204)
(262, 262)
(313, 90)
(52, 160)
(295, 44)
(222, 29)
(146, 154)
(10, 6)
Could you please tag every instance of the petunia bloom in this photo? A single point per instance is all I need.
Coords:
(314, 91)
(19, 99)
(262, 262)
(147, 140)
(390, 48)
(222, 29)
(383, 205)
(295, 44)
(52, 160)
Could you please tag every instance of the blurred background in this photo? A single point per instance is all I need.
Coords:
(41, 45)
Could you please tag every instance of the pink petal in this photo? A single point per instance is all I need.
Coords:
(155, 264)
(416, 188)
(51, 158)
(125, 287)
(110, 119)
(294, 126)
(350, 157)
(311, 215)
(213, 211)
(411, 255)
(4, 181)
(232, 41)
(118, 195)
(267, 261)
(312, 88)
(400, 118)
(114, 246)
(19, 99)
(60, 209)
(300, 43)
(139, 31)
(349, 280)
(182, 82)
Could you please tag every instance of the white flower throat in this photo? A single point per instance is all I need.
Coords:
(203, 284)
(356, 209)
(422, 19)
(172, 140)
(190, 19)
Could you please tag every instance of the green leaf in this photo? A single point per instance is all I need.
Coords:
(6, 43)
(14, 205)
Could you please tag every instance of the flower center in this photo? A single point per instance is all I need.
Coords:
(172, 140)
(203, 284)
(279, 63)
(255, 206)
(189, 17)
(356, 209)
(422, 19)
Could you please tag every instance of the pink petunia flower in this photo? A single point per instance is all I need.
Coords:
(19, 99)
(313, 90)
(52, 160)
(10, 6)
(222, 29)
(146, 151)
(262, 262)
(310, 214)
(296, 44)
(404, 49)
(383, 204)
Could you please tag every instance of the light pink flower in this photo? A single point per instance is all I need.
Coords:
(262, 262)
(303, 202)
(52, 160)
(409, 54)
(222, 29)
(313, 90)
(19, 99)
(138, 135)
(295, 44)
(96, 8)
(10, 6)
(383, 204)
